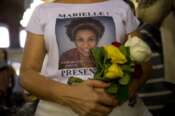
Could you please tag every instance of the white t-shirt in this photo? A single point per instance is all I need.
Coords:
(51, 19)
(60, 23)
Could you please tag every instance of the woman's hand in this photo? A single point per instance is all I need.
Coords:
(139, 82)
(133, 88)
(89, 99)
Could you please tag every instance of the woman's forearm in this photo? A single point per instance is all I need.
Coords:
(42, 87)
(138, 82)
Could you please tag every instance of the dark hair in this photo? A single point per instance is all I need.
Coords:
(84, 23)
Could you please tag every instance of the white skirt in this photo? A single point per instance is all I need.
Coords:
(46, 108)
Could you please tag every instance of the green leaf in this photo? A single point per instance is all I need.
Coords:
(125, 79)
(127, 68)
(74, 80)
(99, 56)
(112, 89)
(122, 94)
(100, 59)
(125, 50)
(99, 74)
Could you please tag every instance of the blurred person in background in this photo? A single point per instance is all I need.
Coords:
(158, 30)
(7, 75)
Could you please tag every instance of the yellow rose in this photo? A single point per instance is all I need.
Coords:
(114, 71)
(114, 54)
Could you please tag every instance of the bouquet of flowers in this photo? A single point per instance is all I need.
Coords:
(117, 64)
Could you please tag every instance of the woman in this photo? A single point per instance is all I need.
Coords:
(45, 36)
(85, 33)
(159, 32)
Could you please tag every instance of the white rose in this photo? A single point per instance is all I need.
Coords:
(139, 50)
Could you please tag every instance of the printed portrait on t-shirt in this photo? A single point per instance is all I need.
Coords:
(75, 37)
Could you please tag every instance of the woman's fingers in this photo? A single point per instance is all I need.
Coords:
(97, 84)
(103, 109)
(93, 100)
(96, 110)
(95, 114)
(106, 99)
(102, 96)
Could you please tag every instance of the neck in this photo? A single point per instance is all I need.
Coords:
(79, 1)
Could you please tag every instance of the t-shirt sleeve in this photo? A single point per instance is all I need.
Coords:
(35, 24)
(131, 22)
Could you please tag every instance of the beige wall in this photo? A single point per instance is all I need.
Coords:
(168, 40)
